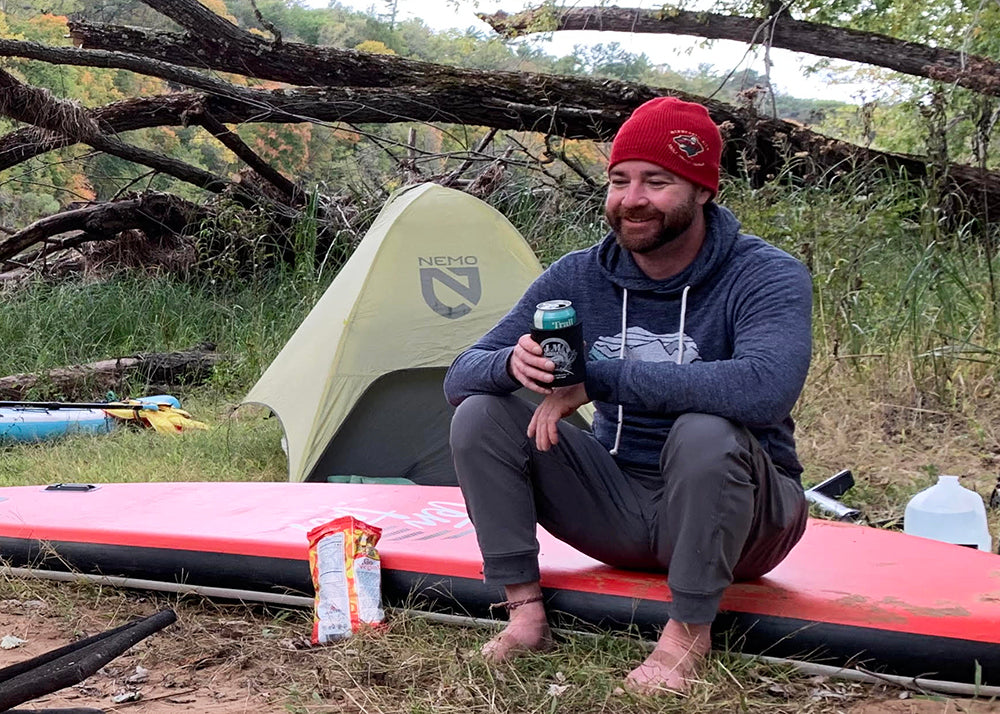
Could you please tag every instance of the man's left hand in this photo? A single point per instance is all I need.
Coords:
(544, 424)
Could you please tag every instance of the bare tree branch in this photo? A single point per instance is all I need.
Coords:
(560, 153)
(452, 178)
(269, 26)
(195, 17)
(37, 106)
(114, 60)
(980, 74)
(294, 194)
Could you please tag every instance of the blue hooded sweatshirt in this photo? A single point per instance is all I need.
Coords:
(743, 307)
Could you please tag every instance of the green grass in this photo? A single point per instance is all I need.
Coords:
(50, 325)
(240, 447)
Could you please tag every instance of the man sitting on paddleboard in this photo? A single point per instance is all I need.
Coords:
(698, 340)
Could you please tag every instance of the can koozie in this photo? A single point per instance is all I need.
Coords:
(564, 347)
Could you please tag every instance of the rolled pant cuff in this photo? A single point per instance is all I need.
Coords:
(511, 569)
(694, 609)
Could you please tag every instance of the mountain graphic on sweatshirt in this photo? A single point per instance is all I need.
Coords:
(643, 345)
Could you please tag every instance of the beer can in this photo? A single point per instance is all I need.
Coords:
(556, 328)
(554, 315)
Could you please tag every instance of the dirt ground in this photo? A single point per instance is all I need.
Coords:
(142, 680)
(186, 669)
(926, 706)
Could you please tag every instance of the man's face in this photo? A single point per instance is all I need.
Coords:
(648, 206)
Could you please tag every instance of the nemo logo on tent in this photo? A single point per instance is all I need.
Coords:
(461, 285)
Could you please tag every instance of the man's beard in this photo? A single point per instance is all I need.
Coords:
(645, 239)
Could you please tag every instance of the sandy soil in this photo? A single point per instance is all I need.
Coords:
(142, 680)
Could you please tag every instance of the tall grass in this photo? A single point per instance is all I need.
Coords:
(891, 297)
(896, 291)
(45, 325)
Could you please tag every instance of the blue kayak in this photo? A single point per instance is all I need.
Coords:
(19, 424)
(33, 424)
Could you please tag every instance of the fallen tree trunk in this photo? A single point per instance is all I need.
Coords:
(571, 107)
(980, 74)
(400, 90)
(157, 371)
(153, 213)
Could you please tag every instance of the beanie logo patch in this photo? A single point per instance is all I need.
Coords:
(689, 144)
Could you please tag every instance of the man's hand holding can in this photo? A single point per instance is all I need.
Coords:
(529, 366)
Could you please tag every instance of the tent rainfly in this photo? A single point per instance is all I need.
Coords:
(357, 388)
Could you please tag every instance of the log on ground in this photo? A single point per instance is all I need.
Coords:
(158, 371)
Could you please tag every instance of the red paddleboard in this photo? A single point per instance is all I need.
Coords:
(845, 595)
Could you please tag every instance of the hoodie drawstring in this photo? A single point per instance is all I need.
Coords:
(621, 353)
(680, 331)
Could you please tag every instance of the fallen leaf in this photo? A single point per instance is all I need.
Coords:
(556, 690)
(129, 695)
(140, 675)
(9, 642)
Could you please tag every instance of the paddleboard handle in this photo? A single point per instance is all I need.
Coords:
(78, 487)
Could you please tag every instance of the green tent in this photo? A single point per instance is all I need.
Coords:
(358, 386)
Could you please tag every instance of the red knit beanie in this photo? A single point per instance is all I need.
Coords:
(677, 135)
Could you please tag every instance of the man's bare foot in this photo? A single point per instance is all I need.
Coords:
(526, 631)
(674, 664)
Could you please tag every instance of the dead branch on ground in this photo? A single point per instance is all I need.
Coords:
(156, 370)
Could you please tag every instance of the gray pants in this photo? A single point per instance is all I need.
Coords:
(716, 510)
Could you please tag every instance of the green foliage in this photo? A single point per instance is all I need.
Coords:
(25, 206)
(48, 325)
(885, 288)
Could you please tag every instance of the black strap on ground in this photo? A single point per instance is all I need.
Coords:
(73, 663)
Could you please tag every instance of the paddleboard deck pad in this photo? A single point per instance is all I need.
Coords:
(846, 595)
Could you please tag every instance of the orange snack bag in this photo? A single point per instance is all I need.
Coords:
(347, 578)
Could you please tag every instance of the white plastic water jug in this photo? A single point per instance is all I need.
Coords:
(949, 512)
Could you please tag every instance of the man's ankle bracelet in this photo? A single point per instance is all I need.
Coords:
(512, 605)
